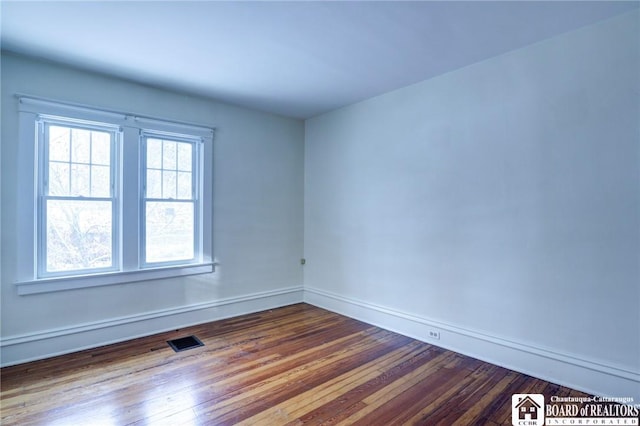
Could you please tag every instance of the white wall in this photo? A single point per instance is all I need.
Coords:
(498, 204)
(258, 220)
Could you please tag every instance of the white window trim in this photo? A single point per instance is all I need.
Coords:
(131, 269)
(47, 285)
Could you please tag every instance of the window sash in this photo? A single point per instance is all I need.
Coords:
(147, 258)
(45, 271)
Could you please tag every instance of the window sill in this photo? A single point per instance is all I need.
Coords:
(48, 285)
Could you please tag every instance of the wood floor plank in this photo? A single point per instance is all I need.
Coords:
(397, 396)
(296, 365)
(320, 395)
(282, 387)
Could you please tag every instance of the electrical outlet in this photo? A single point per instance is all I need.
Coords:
(434, 334)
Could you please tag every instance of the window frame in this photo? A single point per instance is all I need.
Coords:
(196, 189)
(128, 167)
(43, 141)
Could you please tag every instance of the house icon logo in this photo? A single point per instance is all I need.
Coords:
(527, 409)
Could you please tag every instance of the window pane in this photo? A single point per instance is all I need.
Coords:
(184, 156)
(78, 235)
(154, 153)
(80, 180)
(169, 231)
(168, 184)
(101, 148)
(59, 143)
(169, 155)
(58, 178)
(100, 181)
(184, 185)
(154, 184)
(80, 146)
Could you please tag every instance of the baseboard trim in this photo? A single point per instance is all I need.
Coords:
(569, 370)
(45, 344)
(577, 372)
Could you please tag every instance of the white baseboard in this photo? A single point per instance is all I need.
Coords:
(593, 377)
(45, 344)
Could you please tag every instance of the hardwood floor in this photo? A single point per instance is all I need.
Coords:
(293, 365)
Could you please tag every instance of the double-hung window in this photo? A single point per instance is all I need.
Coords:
(78, 198)
(170, 202)
(117, 197)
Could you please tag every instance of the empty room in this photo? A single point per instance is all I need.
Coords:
(320, 212)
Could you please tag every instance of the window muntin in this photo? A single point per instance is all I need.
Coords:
(170, 206)
(77, 230)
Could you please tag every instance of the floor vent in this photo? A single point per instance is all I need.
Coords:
(184, 343)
